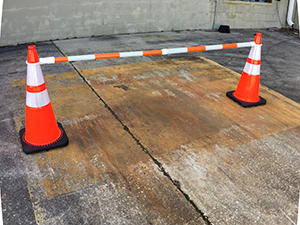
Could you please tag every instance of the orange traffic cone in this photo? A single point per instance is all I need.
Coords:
(41, 131)
(247, 91)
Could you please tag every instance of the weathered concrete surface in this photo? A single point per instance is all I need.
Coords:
(78, 184)
(215, 149)
(48, 188)
(102, 176)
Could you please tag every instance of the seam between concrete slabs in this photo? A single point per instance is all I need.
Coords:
(161, 168)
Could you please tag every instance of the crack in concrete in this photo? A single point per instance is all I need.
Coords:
(161, 168)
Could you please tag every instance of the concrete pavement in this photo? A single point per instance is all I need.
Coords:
(154, 140)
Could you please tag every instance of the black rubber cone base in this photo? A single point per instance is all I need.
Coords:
(261, 101)
(28, 148)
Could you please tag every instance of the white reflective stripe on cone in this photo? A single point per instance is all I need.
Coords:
(255, 53)
(34, 74)
(252, 69)
(36, 100)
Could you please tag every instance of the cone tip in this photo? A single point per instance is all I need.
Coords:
(31, 47)
(32, 56)
(257, 39)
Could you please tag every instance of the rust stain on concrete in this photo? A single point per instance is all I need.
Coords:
(179, 111)
(102, 153)
(171, 102)
(238, 165)
(67, 75)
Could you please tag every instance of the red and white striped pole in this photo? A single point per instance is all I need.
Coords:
(51, 60)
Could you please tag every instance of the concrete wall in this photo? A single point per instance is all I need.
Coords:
(242, 14)
(39, 20)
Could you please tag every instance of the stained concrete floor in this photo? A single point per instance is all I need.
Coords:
(154, 140)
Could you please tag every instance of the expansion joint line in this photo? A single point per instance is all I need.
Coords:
(161, 168)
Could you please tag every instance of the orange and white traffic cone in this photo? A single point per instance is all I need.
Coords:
(247, 91)
(41, 131)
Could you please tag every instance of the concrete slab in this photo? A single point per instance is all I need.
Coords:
(102, 176)
(232, 162)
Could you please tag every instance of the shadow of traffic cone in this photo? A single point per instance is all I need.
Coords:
(247, 91)
(41, 131)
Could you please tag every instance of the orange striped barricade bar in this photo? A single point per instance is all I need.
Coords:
(51, 60)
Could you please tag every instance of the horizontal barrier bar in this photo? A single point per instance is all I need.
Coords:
(50, 60)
